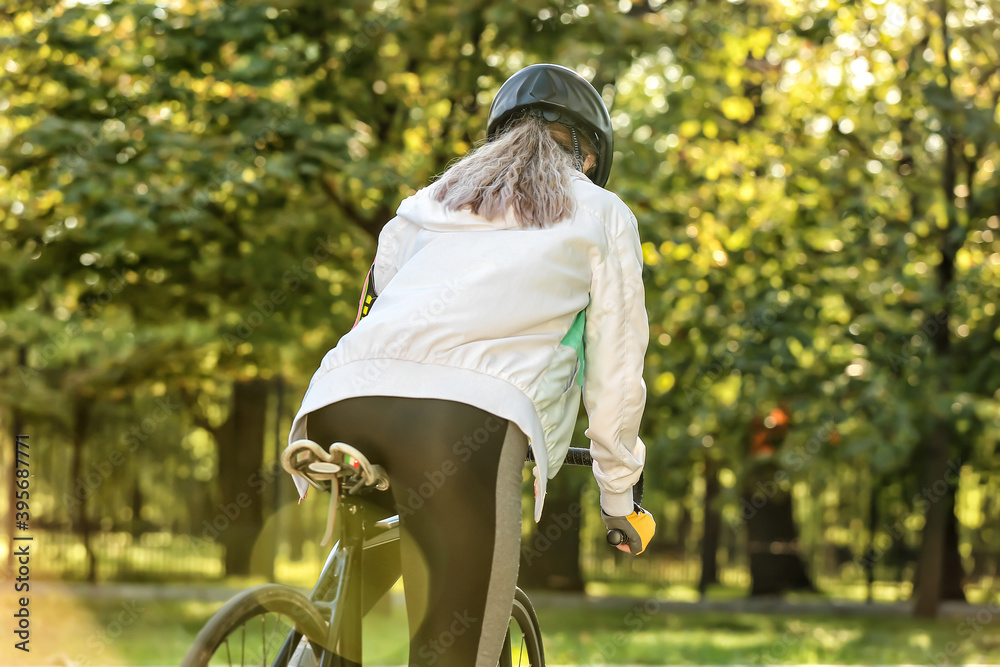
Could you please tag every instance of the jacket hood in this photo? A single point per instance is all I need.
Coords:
(427, 213)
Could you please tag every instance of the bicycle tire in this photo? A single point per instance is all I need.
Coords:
(530, 652)
(282, 601)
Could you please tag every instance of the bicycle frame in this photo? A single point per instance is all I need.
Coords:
(338, 590)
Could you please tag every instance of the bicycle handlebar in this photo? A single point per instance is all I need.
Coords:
(616, 537)
(575, 456)
(580, 456)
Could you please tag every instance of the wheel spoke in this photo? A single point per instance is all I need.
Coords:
(275, 629)
(273, 611)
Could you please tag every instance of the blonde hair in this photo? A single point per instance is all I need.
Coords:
(528, 167)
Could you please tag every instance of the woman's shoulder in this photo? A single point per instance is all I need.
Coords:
(606, 205)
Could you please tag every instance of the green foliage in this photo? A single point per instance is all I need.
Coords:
(190, 195)
(788, 177)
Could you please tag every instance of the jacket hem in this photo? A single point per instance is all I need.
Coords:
(412, 379)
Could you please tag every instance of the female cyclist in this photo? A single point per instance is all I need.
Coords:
(505, 290)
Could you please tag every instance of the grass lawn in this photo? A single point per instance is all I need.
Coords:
(637, 636)
(68, 629)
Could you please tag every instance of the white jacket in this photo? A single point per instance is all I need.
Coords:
(514, 321)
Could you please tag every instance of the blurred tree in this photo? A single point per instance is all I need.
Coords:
(791, 261)
(140, 207)
(192, 193)
(773, 544)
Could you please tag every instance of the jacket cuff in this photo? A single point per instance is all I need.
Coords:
(617, 504)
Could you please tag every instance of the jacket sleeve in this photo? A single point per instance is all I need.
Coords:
(614, 393)
(395, 245)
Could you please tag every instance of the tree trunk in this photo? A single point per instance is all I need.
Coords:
(713, 523)
(930, 577)
(239, 517)
(293, 532)
(930, 567)
(136, 526)
(868, 559)
(953, 573)
(81, 420)
(278, 493)
(776, 565)
(940, 541)
(550, 556)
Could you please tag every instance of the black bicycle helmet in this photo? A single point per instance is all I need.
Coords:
(557, 94)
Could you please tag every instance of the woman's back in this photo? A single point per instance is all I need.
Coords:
(494, 314)
(454, 288)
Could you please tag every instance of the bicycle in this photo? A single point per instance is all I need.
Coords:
(324, 629)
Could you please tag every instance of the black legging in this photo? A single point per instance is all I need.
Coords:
(455, 480)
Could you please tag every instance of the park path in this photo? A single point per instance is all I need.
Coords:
(542, 600)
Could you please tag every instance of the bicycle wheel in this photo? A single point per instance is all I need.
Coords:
(251, 629)
(522, 647)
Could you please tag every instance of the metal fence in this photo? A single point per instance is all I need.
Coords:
(122, 556)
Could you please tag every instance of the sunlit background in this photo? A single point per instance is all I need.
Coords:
(190, 195)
